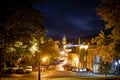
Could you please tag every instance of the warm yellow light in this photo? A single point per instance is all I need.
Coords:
(44, 59)
(62, 52)
(68, 50)
(76, 59)
(66, 54)
(64, 46)
(84, 46)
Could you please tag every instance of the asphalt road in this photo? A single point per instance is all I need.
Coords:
(57, 73)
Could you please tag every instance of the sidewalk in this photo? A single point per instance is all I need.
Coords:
(95, 74)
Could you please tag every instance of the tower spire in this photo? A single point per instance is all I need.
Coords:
(64, 40)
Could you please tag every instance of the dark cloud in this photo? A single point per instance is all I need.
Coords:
(74, 18)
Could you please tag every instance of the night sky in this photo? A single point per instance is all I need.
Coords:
(72, 18)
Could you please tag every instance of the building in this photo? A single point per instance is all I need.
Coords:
(85, 56)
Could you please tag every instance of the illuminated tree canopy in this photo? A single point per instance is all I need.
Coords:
(109, 10)
(20, 28)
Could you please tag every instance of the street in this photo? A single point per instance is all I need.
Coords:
(55, 72)
(58, 73)
(60, 40)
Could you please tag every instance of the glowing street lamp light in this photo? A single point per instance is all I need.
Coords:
(62, 52)
(44, 59)
(116, 63)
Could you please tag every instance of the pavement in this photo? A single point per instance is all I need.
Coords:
(95, 74)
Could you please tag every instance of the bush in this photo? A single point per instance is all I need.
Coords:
(104, 68)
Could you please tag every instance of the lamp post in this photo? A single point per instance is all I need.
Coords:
(33, 49)
(39, 67)
(41, 42)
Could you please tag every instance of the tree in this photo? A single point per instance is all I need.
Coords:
(51, 48)
(108, 44)
(104, 52)
(102, 41)
(104, 68)
(48, 49)
(20, 30)
(109, 11)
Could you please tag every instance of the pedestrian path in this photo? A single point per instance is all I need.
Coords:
(94, 74)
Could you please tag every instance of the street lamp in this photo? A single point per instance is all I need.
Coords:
(116, 63)
(44, 59)
(39, 67)
(62, 52)
(41, 42)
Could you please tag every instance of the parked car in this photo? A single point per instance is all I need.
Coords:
(14, 70)
(19, 70)
(116, 73)
(83, 70)
(10, 70)
(28, 69)
(75, 69)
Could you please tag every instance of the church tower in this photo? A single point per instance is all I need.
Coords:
(79, 41)
(64, 40)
